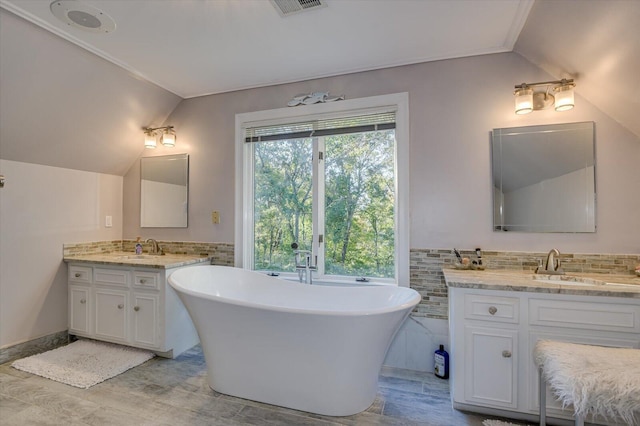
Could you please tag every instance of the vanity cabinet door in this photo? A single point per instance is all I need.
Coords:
(111, 319)
(79, 309)
(491, 366)
(146, 319)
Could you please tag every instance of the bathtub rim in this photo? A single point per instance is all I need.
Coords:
(409, 304)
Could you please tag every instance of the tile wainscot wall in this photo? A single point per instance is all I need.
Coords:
(427, 326)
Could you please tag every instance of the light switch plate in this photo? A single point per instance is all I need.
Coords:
(215, 217)
(108, 222)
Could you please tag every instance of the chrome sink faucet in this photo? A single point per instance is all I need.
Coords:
(552, 266)
(155, 247)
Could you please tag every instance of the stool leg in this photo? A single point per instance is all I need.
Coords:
(543, 398)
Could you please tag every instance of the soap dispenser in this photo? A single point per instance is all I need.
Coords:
(138, 246)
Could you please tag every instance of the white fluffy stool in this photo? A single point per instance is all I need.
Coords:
(594, 379)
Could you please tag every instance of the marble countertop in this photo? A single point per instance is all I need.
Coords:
(166, 261)
(508, 280)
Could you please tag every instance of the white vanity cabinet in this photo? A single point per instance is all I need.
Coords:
(133, 306)
(490, 339)
(493, 334)
(79, 299)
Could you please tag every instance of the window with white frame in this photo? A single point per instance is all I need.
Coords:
(333, 180)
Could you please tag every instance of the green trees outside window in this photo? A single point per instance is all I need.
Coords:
(282, 201)
(354, 190)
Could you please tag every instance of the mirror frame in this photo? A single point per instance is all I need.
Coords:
(545, 156)
(178, 175)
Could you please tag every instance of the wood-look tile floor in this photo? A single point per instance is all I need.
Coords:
(175, 392)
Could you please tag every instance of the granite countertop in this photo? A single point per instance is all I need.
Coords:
(166, 261)
(588, 284)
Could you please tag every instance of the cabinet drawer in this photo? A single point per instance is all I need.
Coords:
(492, 308)
(585, 315)
(111, 277)
(80, 274)
(148, 280)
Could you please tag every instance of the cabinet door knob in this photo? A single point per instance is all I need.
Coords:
(78, 275)
(493, 310)
(136, 308)
(120, 306)
(143, 280)
(506, 354)
(83, 301)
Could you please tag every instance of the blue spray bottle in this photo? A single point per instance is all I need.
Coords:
(441, 368)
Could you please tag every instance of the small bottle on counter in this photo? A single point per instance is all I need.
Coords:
(138, 246)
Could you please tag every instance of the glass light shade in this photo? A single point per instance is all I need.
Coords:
(564, 97)
(524, 100)
(169, 138)
(149, 140)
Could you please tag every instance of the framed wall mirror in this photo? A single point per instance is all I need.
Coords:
(164, 191)
(544, 178)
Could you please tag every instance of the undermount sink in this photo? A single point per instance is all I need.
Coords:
(138, 256)
(576, 281)
(568, 280)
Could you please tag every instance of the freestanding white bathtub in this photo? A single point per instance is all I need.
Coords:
(311, 348)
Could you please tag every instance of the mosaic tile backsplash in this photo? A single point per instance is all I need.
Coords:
(426, 265)
(426, 275)
(221, 253)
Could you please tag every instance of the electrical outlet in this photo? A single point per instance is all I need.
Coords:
(108, 222)
(215, 217)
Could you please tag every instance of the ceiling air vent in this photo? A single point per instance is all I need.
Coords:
(289, 7)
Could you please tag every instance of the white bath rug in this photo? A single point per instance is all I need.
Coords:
(83, 363)
(499, 423)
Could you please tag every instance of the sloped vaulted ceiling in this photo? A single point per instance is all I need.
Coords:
(63, 106)
(195, 48)
(598, 43)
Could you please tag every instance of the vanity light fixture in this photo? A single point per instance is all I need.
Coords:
(528, 99)
(167, 138)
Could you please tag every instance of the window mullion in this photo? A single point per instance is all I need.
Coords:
(318, 204)
(248, 218)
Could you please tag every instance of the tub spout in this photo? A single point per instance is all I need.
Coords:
(303, 264)
(308, 278)
(305, 270)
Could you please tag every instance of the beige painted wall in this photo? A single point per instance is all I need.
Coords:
(41, 208)
(66, 107)
(454, 104)
(60, 106)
